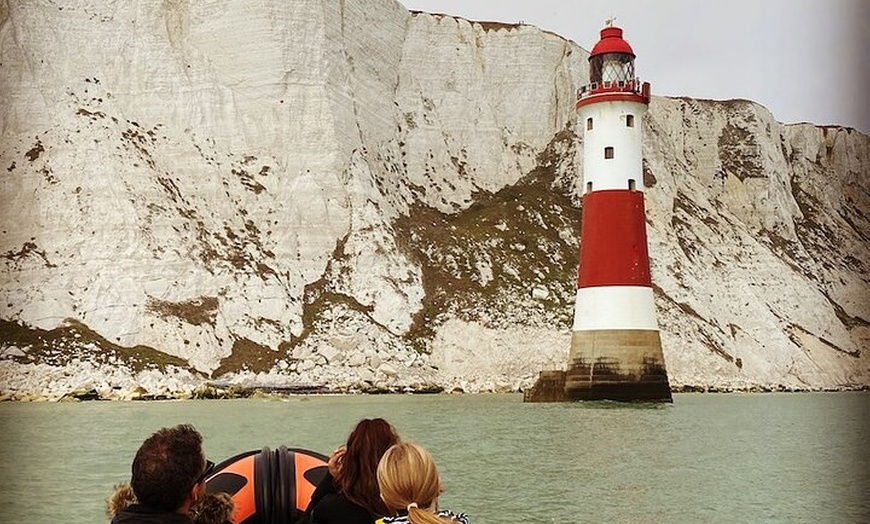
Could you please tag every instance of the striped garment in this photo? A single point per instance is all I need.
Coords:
(460, 518)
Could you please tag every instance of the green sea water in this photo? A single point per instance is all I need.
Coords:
(707, 458)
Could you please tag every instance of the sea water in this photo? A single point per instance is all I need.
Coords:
(707, 458)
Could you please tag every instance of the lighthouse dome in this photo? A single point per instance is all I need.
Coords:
(611, 42)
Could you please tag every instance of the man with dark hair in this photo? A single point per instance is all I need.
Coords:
(169, 474)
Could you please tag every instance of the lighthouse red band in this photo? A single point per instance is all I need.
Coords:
(616, 348)
(614, 240)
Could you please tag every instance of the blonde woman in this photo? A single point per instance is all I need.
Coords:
(410, 486)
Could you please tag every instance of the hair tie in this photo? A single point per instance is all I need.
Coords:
(412, 505)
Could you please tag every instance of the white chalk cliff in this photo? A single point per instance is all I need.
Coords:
(343, 193)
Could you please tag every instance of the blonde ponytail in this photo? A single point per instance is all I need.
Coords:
(409, 480)
(422, 516)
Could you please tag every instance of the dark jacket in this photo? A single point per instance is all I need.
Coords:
(329, 506)
(123, 508)
(138, 514)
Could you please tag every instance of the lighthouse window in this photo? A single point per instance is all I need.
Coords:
(589, 124)
(631, 184)
(608, 152)
(589, 187)
(629, 120)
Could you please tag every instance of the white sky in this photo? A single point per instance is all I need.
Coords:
(804, 60)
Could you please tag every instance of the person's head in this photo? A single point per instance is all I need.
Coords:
(169, 469)
(357, 476)
(409, 481)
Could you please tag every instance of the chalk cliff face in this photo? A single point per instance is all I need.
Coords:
(349, 194)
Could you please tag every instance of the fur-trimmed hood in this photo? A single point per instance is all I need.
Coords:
(213, 508)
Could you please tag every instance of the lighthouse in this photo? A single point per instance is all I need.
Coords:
(616, 351)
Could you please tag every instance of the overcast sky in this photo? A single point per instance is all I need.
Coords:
(804, 60)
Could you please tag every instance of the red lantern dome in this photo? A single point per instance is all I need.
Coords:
(611, 42)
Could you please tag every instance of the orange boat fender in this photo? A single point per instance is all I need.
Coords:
(269, 487)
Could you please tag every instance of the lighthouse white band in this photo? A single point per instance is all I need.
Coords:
(615, 307)
(609, 130)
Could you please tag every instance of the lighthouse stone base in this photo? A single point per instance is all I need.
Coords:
(620, 365)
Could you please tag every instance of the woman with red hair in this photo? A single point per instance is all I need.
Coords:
(349, 493)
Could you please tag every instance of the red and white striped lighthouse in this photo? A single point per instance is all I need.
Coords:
(616, 350)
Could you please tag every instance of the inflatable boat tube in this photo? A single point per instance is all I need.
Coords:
(269, 487)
